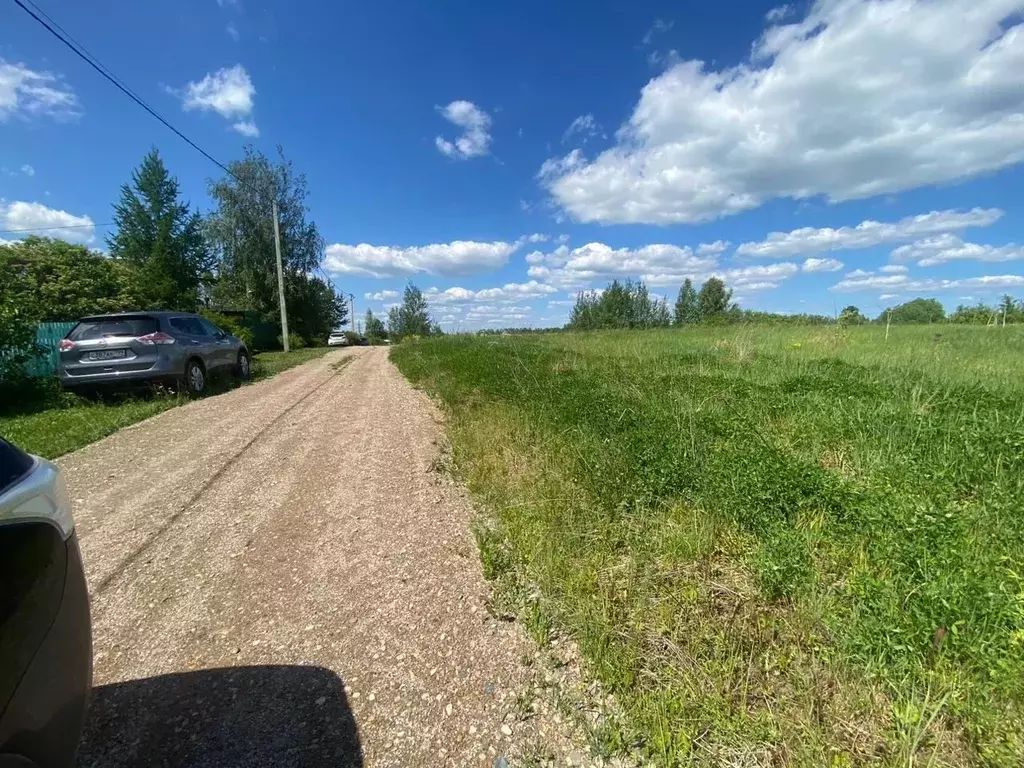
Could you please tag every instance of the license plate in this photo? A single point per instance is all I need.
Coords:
(107, 354)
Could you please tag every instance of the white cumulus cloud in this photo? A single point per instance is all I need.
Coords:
(28, 170)
(779, 13)
(585, 127)
(510, 292)
(713, 249)
(822, 265)
(382, 296)
(858, 98)
(28, 93)
(475, 140)
(501, 314)
(867, 234)
(229, 92)
(903, 283)
(659, 27)
(757, 277)
(50, 222)
(246, 128)
(656, 263)
(460, 257)
(945, 248)
(893, 269)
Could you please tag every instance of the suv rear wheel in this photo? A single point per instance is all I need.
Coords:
(244, 367)
(195, 377)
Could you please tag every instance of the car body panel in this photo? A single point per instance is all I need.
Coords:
(222, 353)
(107, 350)
(43, 719)
(45, 628)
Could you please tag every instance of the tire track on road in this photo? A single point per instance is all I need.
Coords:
(101, 587)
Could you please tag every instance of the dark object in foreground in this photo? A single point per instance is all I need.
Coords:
(45, 629)
(235, 716)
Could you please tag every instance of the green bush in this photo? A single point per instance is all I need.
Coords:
(247, 336)
(19, 347)
(294, 341)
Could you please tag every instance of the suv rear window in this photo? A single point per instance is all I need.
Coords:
(102, 327)
(189, 325)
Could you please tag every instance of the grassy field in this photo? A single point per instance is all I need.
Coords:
(772, 546)
(53, 423)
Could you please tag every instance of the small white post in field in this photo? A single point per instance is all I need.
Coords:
(888, 319)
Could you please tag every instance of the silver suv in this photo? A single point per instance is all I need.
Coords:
(176, 348)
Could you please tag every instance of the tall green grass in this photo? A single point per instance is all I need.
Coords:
(771, 545)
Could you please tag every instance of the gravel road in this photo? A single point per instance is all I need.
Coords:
(279, 578)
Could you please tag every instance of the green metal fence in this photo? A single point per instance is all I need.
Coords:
(48, 336)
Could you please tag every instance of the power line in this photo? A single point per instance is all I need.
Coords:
(43, 229)
(80, 50)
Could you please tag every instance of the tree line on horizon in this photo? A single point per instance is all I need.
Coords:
(628, 304)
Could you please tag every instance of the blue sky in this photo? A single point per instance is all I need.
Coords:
(504, 156)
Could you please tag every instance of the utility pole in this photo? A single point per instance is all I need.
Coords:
(280, 281)
(352, 311)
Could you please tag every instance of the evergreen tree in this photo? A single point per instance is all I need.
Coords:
(161, 238)
(686, 304)
(713, 300)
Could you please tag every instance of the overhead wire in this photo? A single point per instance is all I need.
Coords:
(80, 50)
(59, 226)
(83, 53)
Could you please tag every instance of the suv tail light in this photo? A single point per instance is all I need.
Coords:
(159, 337)
(66, 345)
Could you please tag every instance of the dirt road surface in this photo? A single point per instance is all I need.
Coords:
(279, 578)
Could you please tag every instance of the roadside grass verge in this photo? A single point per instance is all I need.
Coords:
(268, 364)
(772, 546)
(50, 423)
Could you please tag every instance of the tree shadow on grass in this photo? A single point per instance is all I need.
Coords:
(236, 716)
